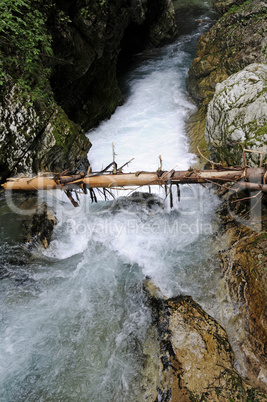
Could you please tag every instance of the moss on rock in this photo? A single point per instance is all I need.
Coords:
(235, 41)
(237, 115)
(36, 136)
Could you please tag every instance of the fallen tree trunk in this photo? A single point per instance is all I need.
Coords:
(252, 178)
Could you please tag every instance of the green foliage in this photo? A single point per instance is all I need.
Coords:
(24, 41)
(87, 9)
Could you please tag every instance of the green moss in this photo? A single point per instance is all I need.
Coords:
(195, 129)
(70, 139)
(87, 9)
(237, 7)
(261, 131)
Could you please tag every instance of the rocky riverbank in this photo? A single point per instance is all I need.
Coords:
(236, 41)
(244, 268)
(228, 80)
(195, 359)
(197, 362)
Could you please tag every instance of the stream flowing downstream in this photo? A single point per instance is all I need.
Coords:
(74, 317)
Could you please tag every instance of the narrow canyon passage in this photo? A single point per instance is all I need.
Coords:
(74, 317)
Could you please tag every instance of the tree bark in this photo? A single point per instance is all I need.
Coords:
(252, 178)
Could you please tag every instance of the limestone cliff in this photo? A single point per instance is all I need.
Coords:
(36, 138)
(235, 41)
(244, 267)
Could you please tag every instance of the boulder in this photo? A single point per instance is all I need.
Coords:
(238, 114)
(37, 137)
(38, 227)
(196, 359)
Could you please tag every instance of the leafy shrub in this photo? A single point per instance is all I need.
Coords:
(24, 40)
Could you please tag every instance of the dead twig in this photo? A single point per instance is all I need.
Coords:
(208, 160)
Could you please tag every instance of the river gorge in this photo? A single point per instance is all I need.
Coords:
(76, 318)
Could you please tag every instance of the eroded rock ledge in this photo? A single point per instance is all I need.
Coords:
(34, 137)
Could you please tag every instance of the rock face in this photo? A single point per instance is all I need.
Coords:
(238, 114)
(235, 41)
(88, 36)
(196, 357)
(244, 266)
(36, 138)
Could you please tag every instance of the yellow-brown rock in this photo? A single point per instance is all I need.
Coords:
(245, 269)
(198, 356)
(196, 360)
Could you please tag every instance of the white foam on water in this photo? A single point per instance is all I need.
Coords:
(149, 124)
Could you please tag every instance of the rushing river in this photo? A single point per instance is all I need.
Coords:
(74, 318)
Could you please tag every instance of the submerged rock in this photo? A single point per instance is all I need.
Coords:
(238, 114)
(38, 228)
(138, 203)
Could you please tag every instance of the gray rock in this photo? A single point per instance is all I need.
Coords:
(238, 114)
(34, 137)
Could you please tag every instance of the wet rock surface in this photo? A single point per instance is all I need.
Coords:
(89, 39)
(197, 362)
(38, 228)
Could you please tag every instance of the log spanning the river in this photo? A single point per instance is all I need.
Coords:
(248, 178)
